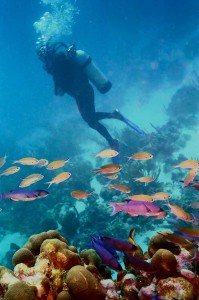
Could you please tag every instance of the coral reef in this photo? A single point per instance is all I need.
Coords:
(83, 285)
(165, 263)
(177, 288)
(159, 242)
(48, 268)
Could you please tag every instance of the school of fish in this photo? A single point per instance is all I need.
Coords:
(133, 204)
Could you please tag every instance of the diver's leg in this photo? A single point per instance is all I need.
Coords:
(86, 107)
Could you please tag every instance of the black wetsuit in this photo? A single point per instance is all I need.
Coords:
(69, 77)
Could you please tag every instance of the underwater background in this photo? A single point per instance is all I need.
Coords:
(149, 50)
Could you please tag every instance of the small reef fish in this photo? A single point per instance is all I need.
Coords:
(118, 244)
(109, 153)
(24, 195)
(194, 205)
(180, 213)
(10, 171)
(131, 236)
(33, 178)
(144, 179)
(188, 164)
(141, 197)
(42, 163)
(28, 161)
(111, 176)
(3, 160)
(161, 196)
(196, 219)
(59, 178)
(56, 164)
(140, 264)
(176, 239)
(195, 256)
(189, 178)
(138, 208)
(190, 231)
(193, 184)
(80, 194)
(109, 169)
(191, 234)
(119, 187)
(106, 254)
(141, 156)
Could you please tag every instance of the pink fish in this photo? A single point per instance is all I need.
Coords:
(138, 208)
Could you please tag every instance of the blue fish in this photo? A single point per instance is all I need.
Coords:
(24, 195)
(140, 264)
(110, 249)
(107, 257)
(118, 244)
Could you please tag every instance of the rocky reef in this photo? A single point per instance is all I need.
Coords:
(48, 268)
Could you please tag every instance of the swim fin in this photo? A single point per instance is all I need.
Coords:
(117, 114)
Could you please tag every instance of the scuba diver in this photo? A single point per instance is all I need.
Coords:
(72, 71)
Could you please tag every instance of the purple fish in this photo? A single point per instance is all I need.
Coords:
(24, 195)
(140, 264)
(118, 244)
(101, 243)
(138, 208)
(107, 257)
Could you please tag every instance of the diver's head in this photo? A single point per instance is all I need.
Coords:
(47, 53)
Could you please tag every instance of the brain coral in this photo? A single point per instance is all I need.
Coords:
(83, 285)
(19, 291)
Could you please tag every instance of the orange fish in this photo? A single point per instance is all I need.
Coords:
(144, 179)
(111, 176)
(161, 196)
(10, 171)
(57, 164)
(80, 194)
(141, 156)
(42, 163)
(190, 177)
(33, 178)
(180, 213)
(141, 197)
(3, 160)
(109, 153)
(188, 164)
(28, 161)
(109, 169)
(59, 178)
(119, 187)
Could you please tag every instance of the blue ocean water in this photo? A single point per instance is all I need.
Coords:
(149, 51)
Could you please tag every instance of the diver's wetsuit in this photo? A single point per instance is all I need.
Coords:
(69, 77)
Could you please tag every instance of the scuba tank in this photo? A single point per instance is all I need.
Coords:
(92, 71)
